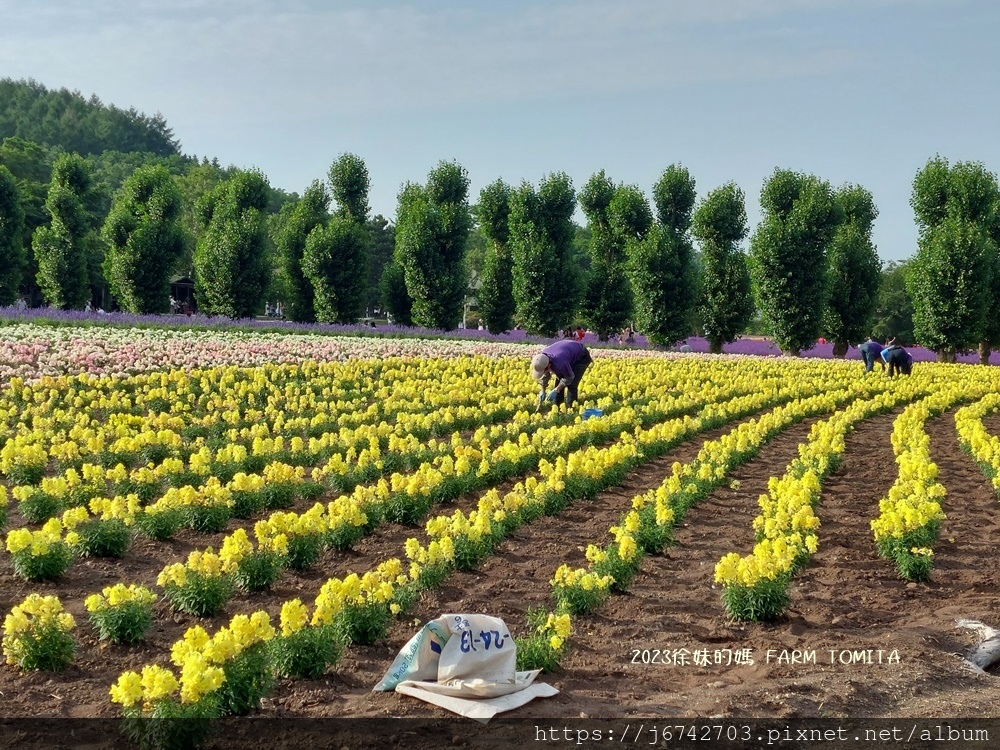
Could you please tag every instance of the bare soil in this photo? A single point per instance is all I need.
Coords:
(857, 641)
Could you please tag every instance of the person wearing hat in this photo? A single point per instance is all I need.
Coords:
(567, 360)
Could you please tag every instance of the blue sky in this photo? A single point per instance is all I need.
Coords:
(861, 91)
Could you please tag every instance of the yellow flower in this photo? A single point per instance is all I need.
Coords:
(627, 548)
(18, 539)
(562, 625)
(157, 683)
(294, 616)
(127, 691)
(199, 678)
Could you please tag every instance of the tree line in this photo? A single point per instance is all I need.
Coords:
(67, 119)
(810, 269)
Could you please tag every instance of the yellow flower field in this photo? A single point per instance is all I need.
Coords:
(318, 512)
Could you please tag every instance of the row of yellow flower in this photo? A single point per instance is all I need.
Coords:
(406, 498)
(982, 445)
(76, 427)
(280, 533)
(756, 586)
(75, 418)
(467, 538)
(910, 517)
(72, 488)
(647, 527)
(230, 672)
(345, 517)
(273, 534)
(462, 540)
(421, 483)
(583, 473)
(350, 513)
(245, 395)
(590, 465)
(205, 669)
(384, 590)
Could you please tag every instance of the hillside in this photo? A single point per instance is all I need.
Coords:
(67, 120)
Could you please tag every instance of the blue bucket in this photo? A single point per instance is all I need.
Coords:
(588, 413)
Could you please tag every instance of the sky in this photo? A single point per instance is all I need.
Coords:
(852, 91)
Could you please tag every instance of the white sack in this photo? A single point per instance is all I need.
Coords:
(466, 664)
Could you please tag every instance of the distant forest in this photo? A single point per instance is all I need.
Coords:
(65, 119)
(38, 124)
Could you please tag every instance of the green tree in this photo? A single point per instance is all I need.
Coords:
(110, 169)
(67, 120)
(144, 239)
(299, 219)
(231, 260)
(853, 271)
(547, 283)
(394, 297)
(990, 338)
(580, 250)
(662, 262)
(12, 257)
(788, 253)
(335, 260)
(382, 247)
(893, 316)
(615, 216)
(432, 228)
(61, 247)
(31, 165)
(475, 248)
(496, 291)
(335, 256)
(349, 183)
(726, 303)
(951, 277)
(196, 183)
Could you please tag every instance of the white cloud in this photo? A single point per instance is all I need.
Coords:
(339, 59)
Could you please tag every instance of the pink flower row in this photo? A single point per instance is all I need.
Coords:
(30, 352)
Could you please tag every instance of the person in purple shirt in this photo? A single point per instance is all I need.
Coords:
(567, 360)
(871, 352)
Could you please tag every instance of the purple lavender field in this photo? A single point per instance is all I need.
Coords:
(764, 347)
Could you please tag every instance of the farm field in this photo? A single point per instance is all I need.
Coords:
(431, 453)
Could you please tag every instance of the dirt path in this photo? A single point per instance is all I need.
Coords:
(598, 677)
(847, 599)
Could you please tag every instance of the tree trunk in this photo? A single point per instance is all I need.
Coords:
(715, 346)
(946, 355)
(792, 353)
(984, 352)
(840, 349)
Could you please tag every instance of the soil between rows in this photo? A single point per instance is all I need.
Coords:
(847, 600)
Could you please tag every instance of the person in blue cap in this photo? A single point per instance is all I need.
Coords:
(567, 360)
(898, 359)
